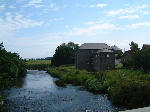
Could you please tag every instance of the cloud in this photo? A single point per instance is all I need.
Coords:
(2, 7)
(138, 25)
(145, 12)
(34, 3)
(129, 17)
(14, 22)
(91, 30)
(18, 21)
(120, 11)
(44, 45)
(98, 5)
(129, 10)
(55, 7)
(12, 7)
(142, 7)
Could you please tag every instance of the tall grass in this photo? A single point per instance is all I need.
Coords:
(38, 64)
(128, 88)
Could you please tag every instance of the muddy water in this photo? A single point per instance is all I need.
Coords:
(37, 92)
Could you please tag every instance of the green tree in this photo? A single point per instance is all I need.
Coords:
(134, 47)
(64, 54)
(139, 58)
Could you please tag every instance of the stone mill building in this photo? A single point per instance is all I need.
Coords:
(95, 57)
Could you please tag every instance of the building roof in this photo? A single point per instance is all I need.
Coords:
(94, 46)
(146, 45)
(115, 48)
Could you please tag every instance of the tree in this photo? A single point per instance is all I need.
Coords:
(64, 54)
(134, 46)
(139, 58)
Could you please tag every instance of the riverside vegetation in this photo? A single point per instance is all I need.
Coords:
(127, 86)
(43, 64)
(11, 68)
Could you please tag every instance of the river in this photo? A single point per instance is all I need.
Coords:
(37, 92)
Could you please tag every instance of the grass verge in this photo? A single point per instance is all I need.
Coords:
(127, 88)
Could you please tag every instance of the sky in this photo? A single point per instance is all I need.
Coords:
(34, 28)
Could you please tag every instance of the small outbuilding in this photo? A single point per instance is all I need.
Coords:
(95, 57)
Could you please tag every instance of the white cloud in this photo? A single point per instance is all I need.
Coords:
(120, 11)
(98, 5)
(141, 24)
(18, 21)
(34, 3)
(129, 17)
(145, 12)
(91, 30)
(55, 7)
(142, 6)
(129, 10)
(12, 23)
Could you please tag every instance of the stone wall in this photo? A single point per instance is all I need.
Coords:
(83, 59)
(104, 61)
(91, 61)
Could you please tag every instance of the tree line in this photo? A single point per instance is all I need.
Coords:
(65, 54)
(138, 58)
(11, 67)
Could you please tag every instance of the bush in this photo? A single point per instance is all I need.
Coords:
(94, 85)
(131, 93)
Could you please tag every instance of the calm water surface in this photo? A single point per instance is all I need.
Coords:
(37, 92)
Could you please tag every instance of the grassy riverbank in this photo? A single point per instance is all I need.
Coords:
(38, 64)
(128, 88)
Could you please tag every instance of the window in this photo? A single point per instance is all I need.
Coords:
(107, 56)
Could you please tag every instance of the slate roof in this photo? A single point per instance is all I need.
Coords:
(95, 46)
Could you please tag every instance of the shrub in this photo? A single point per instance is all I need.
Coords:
(130, 92)
(94, 85)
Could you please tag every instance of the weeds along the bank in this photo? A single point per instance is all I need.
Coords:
(38, 64)
(125, 87)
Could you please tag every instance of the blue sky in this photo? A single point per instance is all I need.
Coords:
(34, 28)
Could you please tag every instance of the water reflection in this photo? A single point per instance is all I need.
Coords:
(37, 92)
(20, 82)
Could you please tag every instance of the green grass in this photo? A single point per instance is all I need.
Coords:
(125, 87)
(37, 62)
